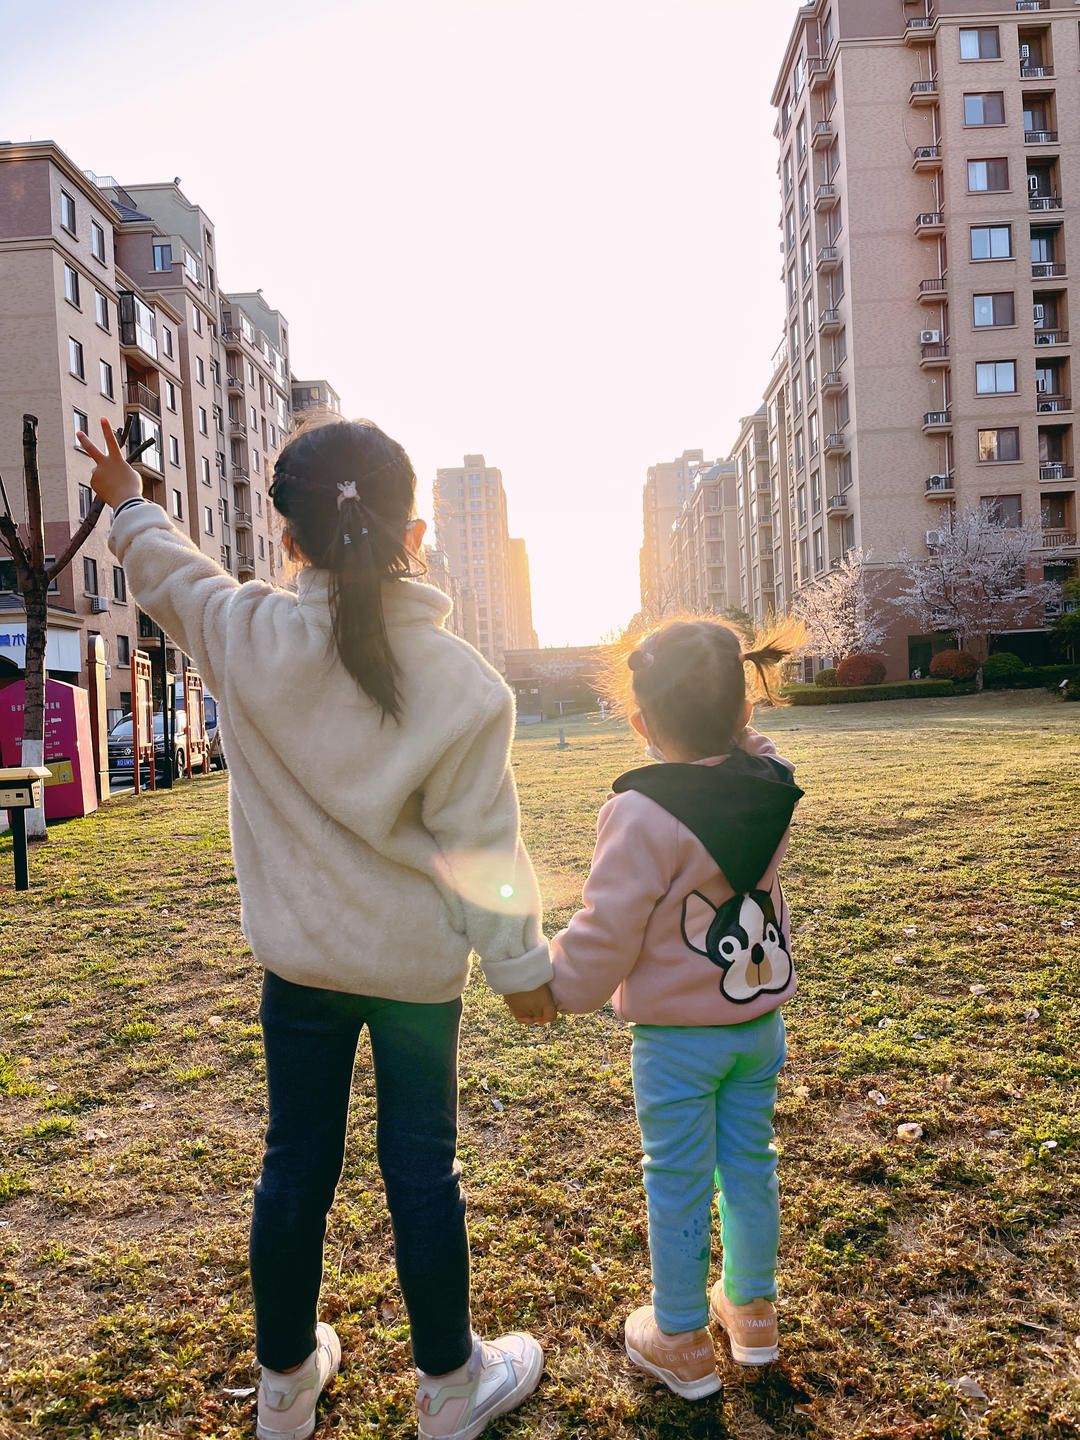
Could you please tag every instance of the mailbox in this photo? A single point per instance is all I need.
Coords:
(20, 790)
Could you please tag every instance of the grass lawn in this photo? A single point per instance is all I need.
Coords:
(933, 880)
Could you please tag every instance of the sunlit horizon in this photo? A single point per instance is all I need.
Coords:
(541, 232)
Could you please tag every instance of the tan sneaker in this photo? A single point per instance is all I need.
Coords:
(686, 1363)
(752, 1331)
(496, 1378)
(287, 1401)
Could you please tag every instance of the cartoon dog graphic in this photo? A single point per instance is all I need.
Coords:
(743, 938)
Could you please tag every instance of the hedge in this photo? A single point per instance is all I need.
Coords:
(855, 694)
(1035, 676)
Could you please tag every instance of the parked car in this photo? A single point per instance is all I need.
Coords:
(213, 734)
(122, 748)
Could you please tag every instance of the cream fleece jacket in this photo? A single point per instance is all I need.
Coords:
(371, 857)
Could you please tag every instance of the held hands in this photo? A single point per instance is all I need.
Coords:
(113, 479)
(532, 1007)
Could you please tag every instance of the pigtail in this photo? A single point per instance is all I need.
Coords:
(783, 637)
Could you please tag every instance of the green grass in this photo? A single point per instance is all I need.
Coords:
(936, 851)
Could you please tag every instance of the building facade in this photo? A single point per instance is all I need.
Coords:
(666, 490)
(705, 542)
(318, 395)
(930, 187)
(524, 634)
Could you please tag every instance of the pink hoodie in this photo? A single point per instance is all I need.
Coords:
(643, 934)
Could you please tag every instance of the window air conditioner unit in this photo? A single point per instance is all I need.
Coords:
(98, 604)
(1025, 53)
(929, 337)
(1039, 313)
(934, 538)
(940, 482)
(1033, 183)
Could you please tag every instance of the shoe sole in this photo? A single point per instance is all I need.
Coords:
(306, 1429)
(687, 1389)
(743, 1354)
(525, 1386)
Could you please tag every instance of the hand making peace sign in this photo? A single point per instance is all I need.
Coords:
(113, 478)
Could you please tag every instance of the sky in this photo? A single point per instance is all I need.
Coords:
(540, 230)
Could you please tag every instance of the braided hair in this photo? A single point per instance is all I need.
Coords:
(346, 493)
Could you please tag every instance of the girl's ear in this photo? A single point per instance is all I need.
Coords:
(637, 720)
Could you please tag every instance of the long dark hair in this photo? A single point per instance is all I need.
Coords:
(346, 492)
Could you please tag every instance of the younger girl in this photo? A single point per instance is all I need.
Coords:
(685, 922)
(375, 834)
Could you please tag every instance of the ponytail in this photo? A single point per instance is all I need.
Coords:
(356, 608)
(782, 638)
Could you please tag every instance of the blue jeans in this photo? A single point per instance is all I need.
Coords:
(311, 1037)
(705, 1097)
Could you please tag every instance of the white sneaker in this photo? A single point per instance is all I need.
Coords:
(497, 1377)
(287, 1402)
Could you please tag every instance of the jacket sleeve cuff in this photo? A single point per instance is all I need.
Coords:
(521, 972)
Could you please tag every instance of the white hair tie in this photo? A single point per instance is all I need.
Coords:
(346, 491)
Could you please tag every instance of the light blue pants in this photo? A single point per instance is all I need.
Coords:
(705, 1098)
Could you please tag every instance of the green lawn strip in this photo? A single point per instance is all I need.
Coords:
(933, 884)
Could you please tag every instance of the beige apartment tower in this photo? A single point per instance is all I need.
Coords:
(666, 491)
(705, 542)
(930, 198)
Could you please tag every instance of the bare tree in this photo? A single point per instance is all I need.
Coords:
(26, 546)
(976, 579)
(839, 612)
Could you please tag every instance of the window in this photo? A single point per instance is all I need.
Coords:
(119, 584)
(988, 109)
(105, 373)
(1042, 247)
(196, 319)
(800, 138)
(97, 241)
(251, 375)
(819, 553)
(980, 44)
(204, 469)
(174, 449)
(804, 198)
(258, 502)
(89, 570)
(86, 499)
(71, 285)
(789, 178)
(200, 370)
(262, 549)
(177, 505)
(254, 416)
(1003, 510)
(999, 445)
(162, 257)
(204, 427)
(75, 358)
(992, 310)
(170, 395)
(166, 341)
(988, 175)
(123, 650)
(67, 212)
(815, 493)
(208, 519)
(101, 309)
(82, 422)
(995, 377)
(991, 242)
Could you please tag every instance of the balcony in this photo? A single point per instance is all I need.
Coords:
(823, 135)
(1040, 137)
(1036, 72)
(934, 357)
(837, 443)
(940, 486)
(937, 422)
(828, 258)
(930, 222)
(927, 157)
(837, 505)
(235, 383)
(1053, 404)
(1057, 540)
(1051, 337)
(241, 519)
(136, 393)
(1031, 4)
(1055, 470)
(826, 197)
(832, 382)
(1047, 269)
(831, 322)
(1044, 202)
(932, 291)
(920, 30)
(924, 92)
(245, 564)
(241, 473)
(232, 338)
(819, 71)
(237, 426)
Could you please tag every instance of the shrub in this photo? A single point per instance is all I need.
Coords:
(860, 670)
(1072, 690)
(826, 678)
(1001, 670)
(854, 694)
(954, 665)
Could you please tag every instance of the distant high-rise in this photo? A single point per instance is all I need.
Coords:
(705, 542)
(524, 637)
(666, 490)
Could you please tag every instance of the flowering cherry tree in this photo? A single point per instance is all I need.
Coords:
(839, 612)
(977, 579)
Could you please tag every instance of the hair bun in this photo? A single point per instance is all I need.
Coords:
(640, 659)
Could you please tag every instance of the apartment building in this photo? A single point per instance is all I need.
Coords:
(666, 490)
(705, 542)
(463, 617)
(524, 634)
(930, 183)
(314, 395)
(473, 534)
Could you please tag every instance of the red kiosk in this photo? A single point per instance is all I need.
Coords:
(198, 746)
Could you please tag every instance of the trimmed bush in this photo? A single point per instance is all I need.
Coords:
(954, 665)
(1000, 670)
(1071, 691)
(855, 694)
(860, 670)
(826, 678)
